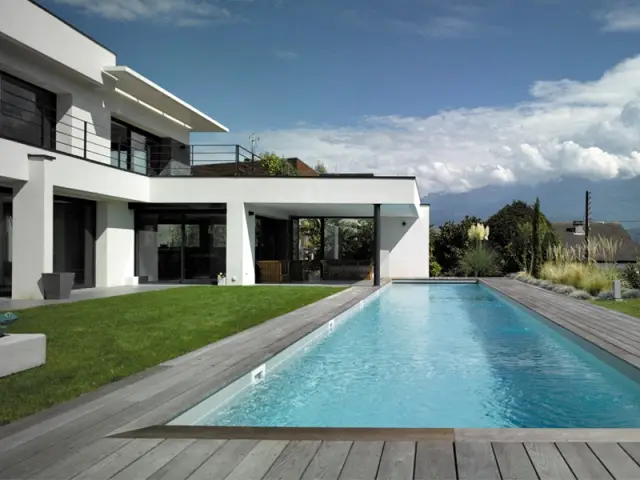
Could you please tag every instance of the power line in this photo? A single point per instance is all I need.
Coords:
(615, 221)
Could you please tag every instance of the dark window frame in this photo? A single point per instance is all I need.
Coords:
(129, 154)
(46, 106)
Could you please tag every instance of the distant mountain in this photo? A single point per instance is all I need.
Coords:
(635, 233)
(561, 200)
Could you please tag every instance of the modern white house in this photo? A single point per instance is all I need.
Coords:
(97, 171)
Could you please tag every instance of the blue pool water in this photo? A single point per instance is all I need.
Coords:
(440, 356)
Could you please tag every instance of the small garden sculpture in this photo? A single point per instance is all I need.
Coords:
(6, 319)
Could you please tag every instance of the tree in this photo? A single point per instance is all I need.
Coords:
(320, 168)
(536, 241)
(450, 242)
(506, 228)
(277, 166)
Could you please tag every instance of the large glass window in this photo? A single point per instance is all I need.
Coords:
(180, 246)
(27, 112)
(131, 147)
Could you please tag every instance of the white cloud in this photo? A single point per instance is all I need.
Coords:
(587, 129)
(286, 54)
(447, 26)
(621, 18)
(184, 13)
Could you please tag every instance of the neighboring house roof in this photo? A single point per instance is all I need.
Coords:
(629, 250)
(303, 169)
(247, 169)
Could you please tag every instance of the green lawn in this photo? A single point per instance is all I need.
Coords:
(93, 343)
(630, 307)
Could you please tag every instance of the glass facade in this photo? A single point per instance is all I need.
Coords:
(180, 245)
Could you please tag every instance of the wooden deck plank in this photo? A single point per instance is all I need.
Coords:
(583, 461)
(72, 465)
(548, 462)
(363, 461)
(259, 461)
(188, 461)
(293, 461)
(111, 465)
(26, 450)
(154, 460)
(616, 460)
(41, 459)
(224, 460)
(328, 461)
(435, 461)
(476, 461)
(513, 462)
(397, 461)
(632, 449)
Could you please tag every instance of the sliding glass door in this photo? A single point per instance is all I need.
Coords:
(180, 247)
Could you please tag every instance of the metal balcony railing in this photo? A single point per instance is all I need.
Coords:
(25, 121)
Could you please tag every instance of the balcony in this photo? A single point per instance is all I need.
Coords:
(40, 125)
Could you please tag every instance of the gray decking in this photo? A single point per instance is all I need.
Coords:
(76, 439)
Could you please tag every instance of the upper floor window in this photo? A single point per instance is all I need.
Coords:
(131, 147)
(27, 112)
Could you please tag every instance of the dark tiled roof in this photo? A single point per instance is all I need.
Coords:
(629, 250)
(247, 169)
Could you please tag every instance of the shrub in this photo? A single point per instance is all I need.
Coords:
(580, 295)
(564, 289)
(587, 277)
(631, 275)
(594, 284)
(545, 284)
(435, 270)
(631, 293)
(608, 295)
(479, 260)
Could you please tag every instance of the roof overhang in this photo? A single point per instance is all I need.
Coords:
(139, 88)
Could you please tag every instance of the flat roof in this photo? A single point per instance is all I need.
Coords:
(89, 37)
(139, 88)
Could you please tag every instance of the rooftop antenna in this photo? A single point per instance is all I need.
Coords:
(253, 141)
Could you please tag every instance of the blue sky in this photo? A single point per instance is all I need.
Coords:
(461, 94)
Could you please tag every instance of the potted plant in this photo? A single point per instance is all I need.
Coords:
(57, 286)
(222, 279)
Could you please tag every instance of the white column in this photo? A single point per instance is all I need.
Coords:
(241, 241)
(32, 230)
(404, 246)
(114, 244)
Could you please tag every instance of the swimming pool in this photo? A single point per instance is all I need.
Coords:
(435, 355)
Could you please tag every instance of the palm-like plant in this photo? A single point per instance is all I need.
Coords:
(478, 258)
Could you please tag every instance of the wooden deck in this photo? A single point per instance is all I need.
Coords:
(118, 432)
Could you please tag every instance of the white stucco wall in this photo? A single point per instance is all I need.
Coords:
(26, 23)
(241, 244)
(405, 248)
(114, 244)
(32, 230)
(283, 190)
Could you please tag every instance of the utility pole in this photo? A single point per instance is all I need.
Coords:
(587, 224)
